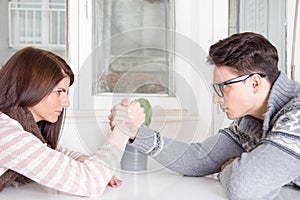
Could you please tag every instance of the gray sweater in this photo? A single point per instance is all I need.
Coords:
(268, 151)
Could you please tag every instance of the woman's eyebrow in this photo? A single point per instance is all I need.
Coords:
(63, 89)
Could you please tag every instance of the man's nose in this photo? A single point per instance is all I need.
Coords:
(217, 99)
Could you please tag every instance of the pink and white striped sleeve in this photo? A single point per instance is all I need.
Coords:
(24, 153)
(73, 154)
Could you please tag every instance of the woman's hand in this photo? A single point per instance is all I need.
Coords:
(128, 116)
(114, 182)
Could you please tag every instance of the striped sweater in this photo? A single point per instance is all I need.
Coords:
(59, 169)
(281, 126)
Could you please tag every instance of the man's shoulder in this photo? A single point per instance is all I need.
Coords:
(292, 105)
(288, 118)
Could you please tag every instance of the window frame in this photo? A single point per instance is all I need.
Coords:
(82, 102)
(45, 38)
(84, 99)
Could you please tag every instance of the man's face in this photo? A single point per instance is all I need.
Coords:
(237, 97)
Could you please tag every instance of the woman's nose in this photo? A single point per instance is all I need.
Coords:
(65, 101)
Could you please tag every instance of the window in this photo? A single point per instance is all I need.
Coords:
(39, 23)
(132, 47)
(264, 17)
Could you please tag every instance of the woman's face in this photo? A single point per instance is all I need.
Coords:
(52, 106)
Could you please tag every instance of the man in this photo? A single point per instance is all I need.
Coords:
(260, 151)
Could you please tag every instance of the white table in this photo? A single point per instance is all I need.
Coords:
(161, 184)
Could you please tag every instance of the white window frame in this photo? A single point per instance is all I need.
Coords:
(45, 35)
(266, 15)
(80, 46)
(102, 102)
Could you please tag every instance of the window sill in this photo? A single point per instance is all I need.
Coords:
(101, 116)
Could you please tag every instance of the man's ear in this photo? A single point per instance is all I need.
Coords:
(256, 83)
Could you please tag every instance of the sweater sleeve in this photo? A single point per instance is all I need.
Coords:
(24, 153)
(259, 174)
(194, 159)
(73, 154)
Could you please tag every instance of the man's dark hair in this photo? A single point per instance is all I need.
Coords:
(246, 53)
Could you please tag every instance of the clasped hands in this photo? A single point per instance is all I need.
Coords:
(128, 116)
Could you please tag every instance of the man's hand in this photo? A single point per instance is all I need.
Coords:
(228, 162)
(128, 116)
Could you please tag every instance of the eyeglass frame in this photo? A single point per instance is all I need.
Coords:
(219, 87)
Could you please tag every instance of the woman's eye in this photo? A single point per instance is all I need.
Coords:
(58, 92)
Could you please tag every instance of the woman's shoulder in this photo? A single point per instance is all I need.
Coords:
(6, 121)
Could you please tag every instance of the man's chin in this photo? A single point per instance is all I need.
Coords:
(231, 117)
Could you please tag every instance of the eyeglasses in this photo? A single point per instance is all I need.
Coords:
(219, 87)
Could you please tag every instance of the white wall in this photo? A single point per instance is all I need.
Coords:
(6, 52)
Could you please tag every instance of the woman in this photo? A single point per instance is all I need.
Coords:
(34, 86)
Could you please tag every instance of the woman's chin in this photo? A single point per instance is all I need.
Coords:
(52, 120)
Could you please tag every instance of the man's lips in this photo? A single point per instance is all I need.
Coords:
(224, 108)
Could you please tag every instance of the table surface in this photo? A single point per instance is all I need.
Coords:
(161, 184)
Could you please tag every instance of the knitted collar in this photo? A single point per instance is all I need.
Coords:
(283, 90)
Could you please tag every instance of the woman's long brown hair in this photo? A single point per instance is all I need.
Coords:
(27, 77)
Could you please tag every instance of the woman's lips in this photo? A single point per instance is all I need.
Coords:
(58, 112)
